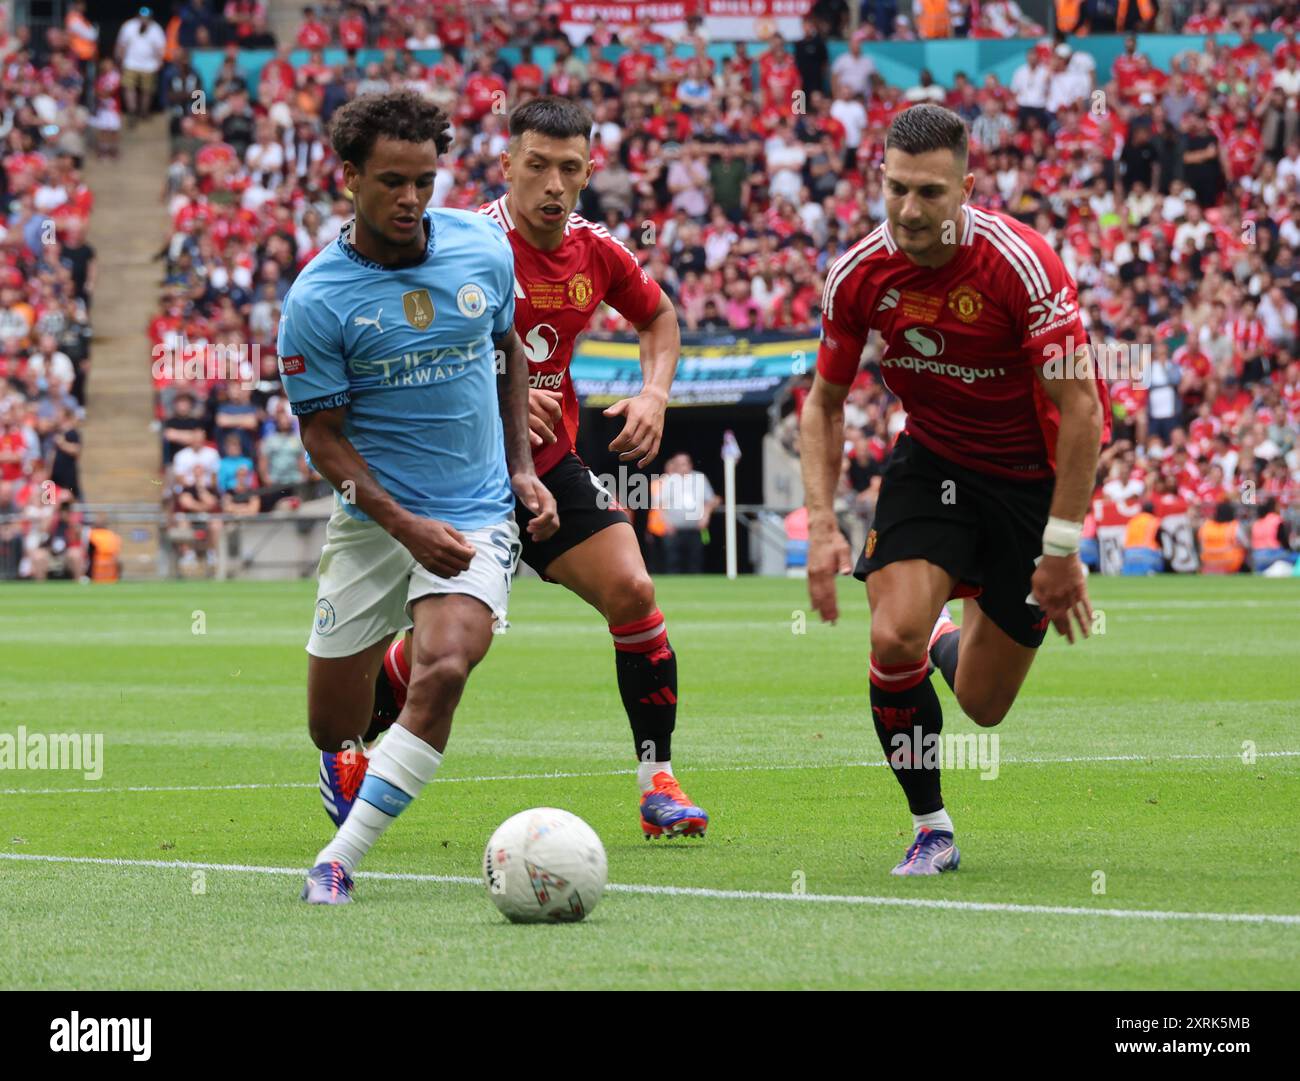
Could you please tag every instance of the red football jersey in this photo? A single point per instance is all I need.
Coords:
(962, 341)
(556, 294)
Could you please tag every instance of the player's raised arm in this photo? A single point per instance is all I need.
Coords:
(821, 450)
(512, 395)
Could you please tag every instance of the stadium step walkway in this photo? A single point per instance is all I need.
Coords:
(128, 226)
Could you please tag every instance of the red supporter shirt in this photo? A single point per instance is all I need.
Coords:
(633, 67)
(556, 294)
(12, 443)
(453, 32)
(313, 35)
(481, 91)
(529, 75)
(1284, 49)
(962, 341)
(780, 79)
(1243, 153)
(352, 32)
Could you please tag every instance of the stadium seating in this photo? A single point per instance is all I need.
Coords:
(1181, 232)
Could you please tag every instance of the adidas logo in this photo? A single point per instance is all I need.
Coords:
(889, 300)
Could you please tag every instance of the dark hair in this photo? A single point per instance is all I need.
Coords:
(1224, 512)
(927, 127)
(401, 114)
(560, 118)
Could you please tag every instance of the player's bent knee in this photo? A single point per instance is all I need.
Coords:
(987, 713)
(631, 599)
(897, 645)
(329, 731)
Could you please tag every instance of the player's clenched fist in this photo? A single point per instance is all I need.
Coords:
(437, 547)
(828, 556)
(1059, 589)
(537, 498)
(544, 412)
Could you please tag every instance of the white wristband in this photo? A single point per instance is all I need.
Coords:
(1061, 537)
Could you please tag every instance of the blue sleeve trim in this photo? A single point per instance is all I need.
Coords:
(315, 405)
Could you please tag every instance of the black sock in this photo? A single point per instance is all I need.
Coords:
(944, 655)
(386, 708)
(647, 681)
(908, 721)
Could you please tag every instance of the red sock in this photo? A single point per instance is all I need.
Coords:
(398, 666)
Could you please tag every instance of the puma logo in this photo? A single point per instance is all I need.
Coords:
(362, 321)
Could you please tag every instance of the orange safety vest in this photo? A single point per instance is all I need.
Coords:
(1264, 533)
(932, 19)
(83, 48)
(173, 38)
(1145, 8)
(106, 545)
(1142, 532)
(1220, 552)
(1067, 15)
(655, 524)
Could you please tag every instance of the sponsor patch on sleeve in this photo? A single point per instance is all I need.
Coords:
(294, 365)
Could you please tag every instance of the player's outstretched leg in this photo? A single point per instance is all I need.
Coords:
(338, 705)
(607, 571)
(905, 598)
(452, 634)
(341, 773)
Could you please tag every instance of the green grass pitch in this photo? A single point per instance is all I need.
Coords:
(1125, 843)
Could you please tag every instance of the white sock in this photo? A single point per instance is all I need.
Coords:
(399, 769)
(645, 772)
(935, 820)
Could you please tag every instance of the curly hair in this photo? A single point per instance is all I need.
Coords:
(400, 114)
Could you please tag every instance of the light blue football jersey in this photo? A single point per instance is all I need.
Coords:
(409, 353)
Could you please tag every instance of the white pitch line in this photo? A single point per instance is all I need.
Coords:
(770, 767)
(709, 894)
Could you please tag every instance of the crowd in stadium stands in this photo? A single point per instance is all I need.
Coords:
(1171, 193)
(47, 282)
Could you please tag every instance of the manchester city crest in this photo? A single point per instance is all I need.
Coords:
(471, 301)
(325, 617)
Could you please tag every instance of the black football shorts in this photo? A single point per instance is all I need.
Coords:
(985, 531)
(585, 509)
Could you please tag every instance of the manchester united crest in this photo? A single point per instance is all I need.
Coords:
(966, 303)
(871, 543)
(418, 306)
(580, 290)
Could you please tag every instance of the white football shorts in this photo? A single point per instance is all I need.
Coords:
(368, 582)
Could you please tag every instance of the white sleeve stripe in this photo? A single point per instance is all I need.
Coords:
(1035, 264)
(1035, 276)
(1016, 263)
(837, 267)
(842, 270)
(602, 232)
